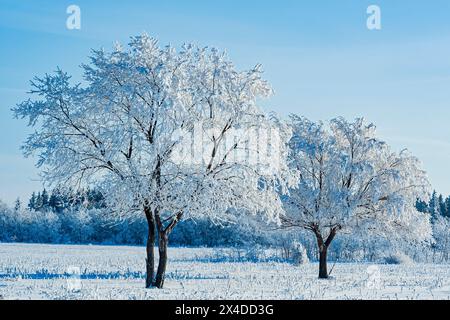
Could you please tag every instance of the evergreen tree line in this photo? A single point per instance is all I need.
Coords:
(82, 217)
(57, 201)
(436, 206)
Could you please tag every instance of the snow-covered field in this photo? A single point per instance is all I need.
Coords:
(111, 272)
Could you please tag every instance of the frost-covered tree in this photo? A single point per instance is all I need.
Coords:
(434, 206)
(17, 205)
(441, 234)
(161, 132)
(352, 182)
(447, 207)
(32, 202)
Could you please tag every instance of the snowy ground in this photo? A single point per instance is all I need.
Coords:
(44, 272)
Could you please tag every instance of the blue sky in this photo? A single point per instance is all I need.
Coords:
(319, 56)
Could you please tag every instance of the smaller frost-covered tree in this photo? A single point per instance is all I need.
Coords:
(441, 234)
(352, 182)
(162, 132)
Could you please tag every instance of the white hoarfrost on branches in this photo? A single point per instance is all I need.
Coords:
(352, 182)
(441, 234)
(120, 129)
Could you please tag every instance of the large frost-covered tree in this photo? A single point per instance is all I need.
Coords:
(352, 182)
(165, 133)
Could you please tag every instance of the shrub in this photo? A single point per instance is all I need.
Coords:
(397, 258)
(299, 254)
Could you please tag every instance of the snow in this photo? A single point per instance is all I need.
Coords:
(30, 271)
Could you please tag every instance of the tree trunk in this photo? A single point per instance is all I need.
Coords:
(163, 241)
(323, 272)
(161, 273)
(323, 250)
(150, 248)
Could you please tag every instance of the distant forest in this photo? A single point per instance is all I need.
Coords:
(83, 218)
